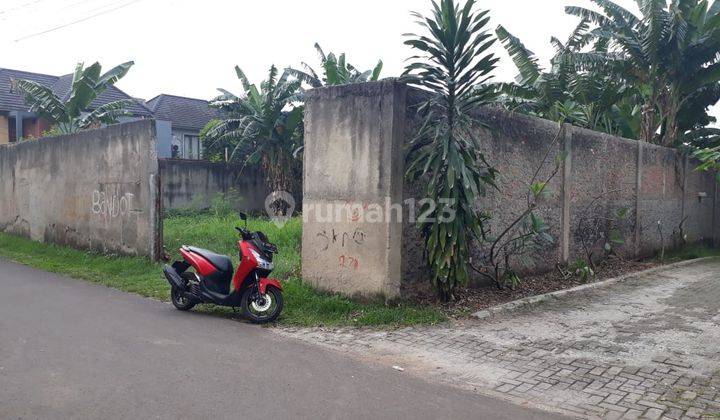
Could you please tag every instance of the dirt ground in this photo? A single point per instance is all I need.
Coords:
(473, 299)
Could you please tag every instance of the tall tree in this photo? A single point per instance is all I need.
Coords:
(335, 71)
(671, 53)
(75, 114)
(586, 98)
(453, 62)
(269, 120)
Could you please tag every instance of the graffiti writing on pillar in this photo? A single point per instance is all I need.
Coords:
(349, 262)
(342, 238)
(355, 210)
(111, 205)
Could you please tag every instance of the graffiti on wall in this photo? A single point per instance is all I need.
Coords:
(112, 205)
(343, 239)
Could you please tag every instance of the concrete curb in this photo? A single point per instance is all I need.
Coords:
(532, 300)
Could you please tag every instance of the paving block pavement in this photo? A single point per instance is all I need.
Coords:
(644, 348)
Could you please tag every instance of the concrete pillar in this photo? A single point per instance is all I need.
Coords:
(716, 213)
(566, 198)
(353, 178)
(686, 165)
(638, 198)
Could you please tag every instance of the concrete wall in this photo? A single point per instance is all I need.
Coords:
(516, 147)
(192, 184)
(355, 137)
(353, 157)
(95, 190)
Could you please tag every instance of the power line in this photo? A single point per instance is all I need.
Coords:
(65, 25)
(21, 6)
(5, 14)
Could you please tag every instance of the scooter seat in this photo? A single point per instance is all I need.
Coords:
(221, 262)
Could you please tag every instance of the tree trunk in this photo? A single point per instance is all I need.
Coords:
(647, 130)
(672, 122)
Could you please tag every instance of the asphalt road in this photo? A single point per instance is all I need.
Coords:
(70, 349)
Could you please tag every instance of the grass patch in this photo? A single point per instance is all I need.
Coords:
(691, 252)
(304, 306)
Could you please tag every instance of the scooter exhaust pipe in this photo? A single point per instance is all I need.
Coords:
(174, 278)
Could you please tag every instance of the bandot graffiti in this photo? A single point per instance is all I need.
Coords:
(112, 205)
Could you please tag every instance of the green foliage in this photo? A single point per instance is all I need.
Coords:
(454, 64)
(690, 252)
(585, 98)
(336, 71)
(710, 158)
(213, 150)
(74, 114)
(669, 58)
(303, 305)
(51, 132)
(649, 77)
(225, 204)
(704, 145)
(582, 270)
(268, 120)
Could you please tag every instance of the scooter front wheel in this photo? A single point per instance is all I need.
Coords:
(261, 309)
(180, 301)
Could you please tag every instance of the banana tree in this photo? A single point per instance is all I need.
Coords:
(75, 113)
(335, 71)
(585, 98)
(671, 53)
(265, 127)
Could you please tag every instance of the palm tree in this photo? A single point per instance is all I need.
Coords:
(455, 65)
(268, 120)
(336, 71)
(74, 114)
(671, 54)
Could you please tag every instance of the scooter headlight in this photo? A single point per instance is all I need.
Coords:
(262, 262)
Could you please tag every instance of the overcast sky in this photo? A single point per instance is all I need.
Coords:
(189, 47)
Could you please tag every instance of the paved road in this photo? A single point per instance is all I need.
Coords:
(70, 349)
(646, 347)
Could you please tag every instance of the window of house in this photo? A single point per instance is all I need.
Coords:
(192, 147)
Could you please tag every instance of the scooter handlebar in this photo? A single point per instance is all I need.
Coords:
(244, 232)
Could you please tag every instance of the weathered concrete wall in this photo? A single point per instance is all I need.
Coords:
(95, 190)
(348, 160)
(193, 184)
(602, 181)
(516, 147)
(353, 157)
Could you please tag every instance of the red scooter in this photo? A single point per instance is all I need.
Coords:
(212, 280)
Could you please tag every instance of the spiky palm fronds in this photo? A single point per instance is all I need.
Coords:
(454, 63)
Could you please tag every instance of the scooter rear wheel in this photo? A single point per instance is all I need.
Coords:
(261, 309)
(179, 301)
